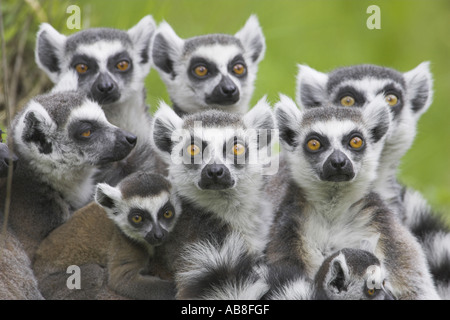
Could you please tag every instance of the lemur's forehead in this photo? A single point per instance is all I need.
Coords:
(101, 50)
(150, 204)
(323, 115)
(144, 185)
(213, 119)
(362, 72)
(211, 41)
(370, 87)
(59, 106)
(88, 110)
(91, 36)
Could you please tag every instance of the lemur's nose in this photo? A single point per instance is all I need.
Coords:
(131, 139)
(105, 87)
(228, 88)
(215, 171)
(338, 160)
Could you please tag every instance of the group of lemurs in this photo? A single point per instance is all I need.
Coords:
(176, 205)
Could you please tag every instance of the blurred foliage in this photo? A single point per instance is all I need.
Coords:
(324, 34)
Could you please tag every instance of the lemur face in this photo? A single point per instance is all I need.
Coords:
(210, 71)
(67, 130)
(107, 65)
(5, 157)
(213, 150)
(352, 274)
(331, 144)
(408, 95)
(143, 206)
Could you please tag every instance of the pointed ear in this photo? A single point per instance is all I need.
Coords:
(311, 87)
(419, 83)
(165, 122)
(166, 48)
(377, 117)
(338, 274)
(288, 118)
(141, 35)
(35, 130)
(49, 50)
(107, 197)
(252, 38)
(261, 118)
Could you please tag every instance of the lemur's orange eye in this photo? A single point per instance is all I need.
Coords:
(123, 65)
(239, 69)
(168, 214)
(137, 218)
(356, 142)
(193, 150)
(201, 71)
(81, 68)
(347, 101)
(86, 133)
(370, 292)
(391, 99)
(238, 149)
(313, 145)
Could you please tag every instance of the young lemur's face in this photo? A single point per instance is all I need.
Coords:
(66, 131)
(214, 151)
(107, 65)
(330, 144)
(143, 206)
(210, 71)
(408, 95)
(352, 274)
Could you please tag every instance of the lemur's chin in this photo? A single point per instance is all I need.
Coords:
(338, 178)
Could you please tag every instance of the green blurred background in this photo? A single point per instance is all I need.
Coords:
(324, 34)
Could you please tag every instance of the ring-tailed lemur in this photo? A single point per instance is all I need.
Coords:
(216, 159)
(333, 154)
(59, 138)
(409, 95)
(108, 66)
(118, 234)
(349, 274)
(209, 71)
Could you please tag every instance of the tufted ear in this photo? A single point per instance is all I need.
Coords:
(252, 38)
(35, 131)
(377, 117)
(165, 122)
(141, 35)
(288, 118)
(338, 275)
(107, 197)
(419, 83)
(49, 50)
(310, 87)
(166, 48)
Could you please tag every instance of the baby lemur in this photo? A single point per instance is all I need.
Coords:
(118, 233)
(333, 154)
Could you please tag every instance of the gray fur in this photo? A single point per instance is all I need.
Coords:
(124, 99)
(50, 182)
(211, 215)
(318, 217)
(221, 88)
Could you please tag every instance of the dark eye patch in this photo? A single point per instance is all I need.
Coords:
(238, 59)
(198, 61)
(90, 62)
(77, 128)
(115, 59)
(344, 91)
(393, 89)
